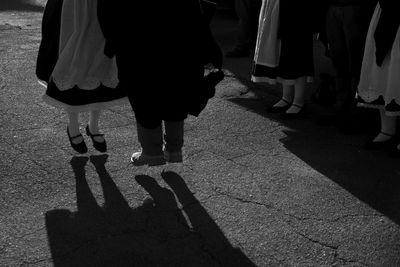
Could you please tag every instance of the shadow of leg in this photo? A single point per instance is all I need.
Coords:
(114, 202)
(214, 239)
(68, 231)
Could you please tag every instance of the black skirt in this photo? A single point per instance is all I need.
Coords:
(295, 61)
(77, 99)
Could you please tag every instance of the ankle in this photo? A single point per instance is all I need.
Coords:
(383, 136)
(295, 108)
(298, 104)
(73, 130)
(94, 129)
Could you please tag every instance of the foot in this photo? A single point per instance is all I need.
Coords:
(281, 106)
(77, 142)
(97, 136)
(294, 112)
(99, 143)
(74, 133)
(295, 108)
(173, 157)
(383, 137)
(381, 141)
(140, 159)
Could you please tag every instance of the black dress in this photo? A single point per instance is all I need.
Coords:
(294, 30)
(168, 47)
(71, 61)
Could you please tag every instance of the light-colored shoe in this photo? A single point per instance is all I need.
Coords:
(173, 157)
(140, 159)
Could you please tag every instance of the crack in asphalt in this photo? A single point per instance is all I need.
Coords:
(220, 192)
(33, 262)
(333, 220)
(318, 242)
(314, 241)
(344, 261)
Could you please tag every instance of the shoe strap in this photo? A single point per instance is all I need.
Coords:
(284, 100)
(298, 106)
(73, 137)
(76, 136)
(390, 135)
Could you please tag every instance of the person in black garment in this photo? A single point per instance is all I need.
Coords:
(160, 59)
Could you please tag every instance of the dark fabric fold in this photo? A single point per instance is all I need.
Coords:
(386, 29)
(49, 45)
(175, 37)
(298, 18)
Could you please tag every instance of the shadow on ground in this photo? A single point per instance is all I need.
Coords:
(371, 176)
(154, 234)
(21, 5)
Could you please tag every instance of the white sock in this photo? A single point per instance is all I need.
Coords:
(94, 124)
(73, 126)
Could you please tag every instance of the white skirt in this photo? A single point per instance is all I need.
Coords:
(379, 87)
(267, 49)
(81, 59)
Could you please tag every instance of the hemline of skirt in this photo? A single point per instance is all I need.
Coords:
(87, 107)
(379, 107)
(273, 81)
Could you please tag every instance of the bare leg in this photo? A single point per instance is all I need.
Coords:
(388, 127)
(299, 91)
(94, 124)
(73, 126)
(287, 96)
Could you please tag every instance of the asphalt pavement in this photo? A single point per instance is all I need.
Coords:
(253, 190)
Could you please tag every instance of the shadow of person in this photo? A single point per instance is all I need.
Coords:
(21, 5)
(114, 234)
(371, 176)
(351, 168)
(213, 238)
(94, 235)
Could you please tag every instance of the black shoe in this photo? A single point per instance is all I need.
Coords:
(238, 52)
(371, 145)
(281, 109)
(289, 116)
(80, 147)
(100, 146)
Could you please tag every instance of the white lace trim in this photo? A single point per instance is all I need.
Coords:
(88, 83)
(371, 94)
(273, 81)
(374, 106)
(88, 107)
